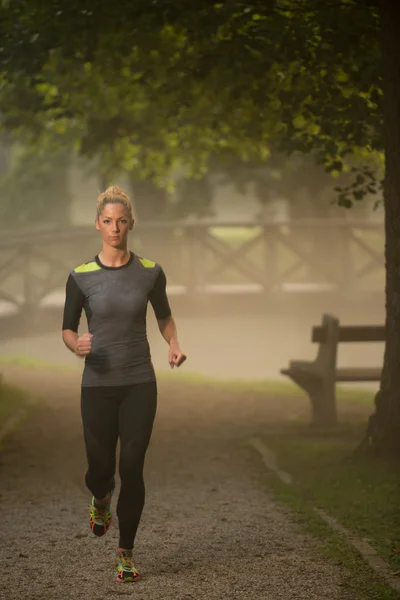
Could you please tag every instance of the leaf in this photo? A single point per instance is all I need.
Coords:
(179, 88)
(299, 122)
(359, 180)
(358, 194)
(313, 129)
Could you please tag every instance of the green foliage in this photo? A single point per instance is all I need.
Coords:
(150, 88)
(35, 187)
(365, 182)
(12, 402)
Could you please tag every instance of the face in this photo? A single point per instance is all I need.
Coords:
(114, 225)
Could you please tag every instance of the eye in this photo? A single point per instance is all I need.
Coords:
(106, 221)
(123, 221)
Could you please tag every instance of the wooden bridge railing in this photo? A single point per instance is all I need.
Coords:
(206, 258)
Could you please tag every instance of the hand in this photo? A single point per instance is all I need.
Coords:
(84, 344)
(176, 356)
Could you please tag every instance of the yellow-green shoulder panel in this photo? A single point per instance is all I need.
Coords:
(87, 267)
(148, 264)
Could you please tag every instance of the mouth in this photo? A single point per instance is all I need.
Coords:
(115, 238)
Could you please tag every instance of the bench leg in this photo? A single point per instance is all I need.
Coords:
(323, 403)
(323, 398)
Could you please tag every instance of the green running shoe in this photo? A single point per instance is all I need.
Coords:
(100, 517)
(125, 572)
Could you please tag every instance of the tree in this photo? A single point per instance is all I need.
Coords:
(34, 188)
(383, 435)
(302, 85)
(157, 85)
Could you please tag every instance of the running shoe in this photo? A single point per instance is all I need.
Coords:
(100, 517)
(125, 572)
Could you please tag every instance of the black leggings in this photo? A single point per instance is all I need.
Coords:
(126, 412)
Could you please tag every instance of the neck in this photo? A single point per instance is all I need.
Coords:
(114, 257)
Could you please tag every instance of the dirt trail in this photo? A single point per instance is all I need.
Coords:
(209, 529)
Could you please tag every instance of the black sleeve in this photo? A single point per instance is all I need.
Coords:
(158, 297)
(73, 305)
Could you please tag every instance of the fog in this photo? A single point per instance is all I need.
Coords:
(253, 342)
(253, 346)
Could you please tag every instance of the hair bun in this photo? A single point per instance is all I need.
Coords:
(114, 195)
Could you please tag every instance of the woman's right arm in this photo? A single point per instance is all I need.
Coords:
(70, 339)
(74, 299)
(80, 345)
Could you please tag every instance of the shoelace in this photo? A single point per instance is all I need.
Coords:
(126, 562)
(99, 512)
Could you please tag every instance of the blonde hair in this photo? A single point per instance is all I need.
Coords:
(114, 195)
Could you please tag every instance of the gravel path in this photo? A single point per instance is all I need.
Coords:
(209, 529)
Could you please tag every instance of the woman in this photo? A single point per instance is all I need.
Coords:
(119, 390)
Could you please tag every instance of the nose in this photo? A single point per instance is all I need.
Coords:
(116, 228)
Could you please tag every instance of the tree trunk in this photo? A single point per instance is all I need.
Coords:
(150, 202)
(383, 435)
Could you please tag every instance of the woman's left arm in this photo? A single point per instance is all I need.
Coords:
(166, 324)
(169, 332)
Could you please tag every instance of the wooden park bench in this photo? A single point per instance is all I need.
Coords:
(318, 378)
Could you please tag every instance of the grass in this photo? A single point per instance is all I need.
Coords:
(27, 361)
(360, 578)
(271, 387)
(362, 494)
(12, 400)
(235, 235)
(268, 387)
